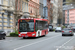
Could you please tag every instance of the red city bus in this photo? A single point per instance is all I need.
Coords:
(32, 27)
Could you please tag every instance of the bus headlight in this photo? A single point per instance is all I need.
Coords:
(33, 34)
(19, 34)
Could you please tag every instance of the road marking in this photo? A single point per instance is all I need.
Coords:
(64, 43)
(35, 43)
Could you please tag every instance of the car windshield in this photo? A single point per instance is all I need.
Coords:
(50, 26)
(58, 28)
(1, 31)
(66, 29)
(26, 26)
(73, 27)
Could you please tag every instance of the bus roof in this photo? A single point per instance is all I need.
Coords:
(35, 19)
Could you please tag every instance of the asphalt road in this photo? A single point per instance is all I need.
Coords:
(52, 41)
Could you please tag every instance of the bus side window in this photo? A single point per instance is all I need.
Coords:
(45, 25)
(40, 26)
(36, 26)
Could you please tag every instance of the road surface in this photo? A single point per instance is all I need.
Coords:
(52, 41)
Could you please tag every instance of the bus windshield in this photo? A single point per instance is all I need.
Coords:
(26, 26)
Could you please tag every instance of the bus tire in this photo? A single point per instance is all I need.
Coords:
(3, 37)
(38, 34)
(45, 33)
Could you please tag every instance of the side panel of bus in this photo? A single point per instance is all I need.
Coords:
(41, 28)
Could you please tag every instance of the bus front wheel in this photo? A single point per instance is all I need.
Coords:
(38, 34)
(45, 33)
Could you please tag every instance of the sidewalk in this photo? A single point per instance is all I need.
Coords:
(74, 48)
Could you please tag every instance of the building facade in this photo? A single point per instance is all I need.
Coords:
(21, 11)
(60, 13)
(54, 12)
(71, 18)
(63, 2)
(51, 12)
(67, 2)
(25, 8)
(17, 13)
(45, 9)
(6, 16)
(34, 8)
(57, 12)
(41, 8)
(69, 14)
(49, 17)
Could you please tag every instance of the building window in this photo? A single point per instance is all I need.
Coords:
(27, 7)
(5, 2)
(8, 19)
(22, 6)
(10, 2)
(31, 10)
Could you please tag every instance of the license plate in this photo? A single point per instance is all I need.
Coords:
(22, 35)
(66, 31)
(26, 36)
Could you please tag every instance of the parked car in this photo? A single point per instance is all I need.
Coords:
(67, 31)
(58, 29)
(50, 28)
(2, 35)
(73, 28)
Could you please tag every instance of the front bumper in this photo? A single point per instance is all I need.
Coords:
(57, 30)
(2, 35)
(67, 33)
(26, 35)
(50, 29)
